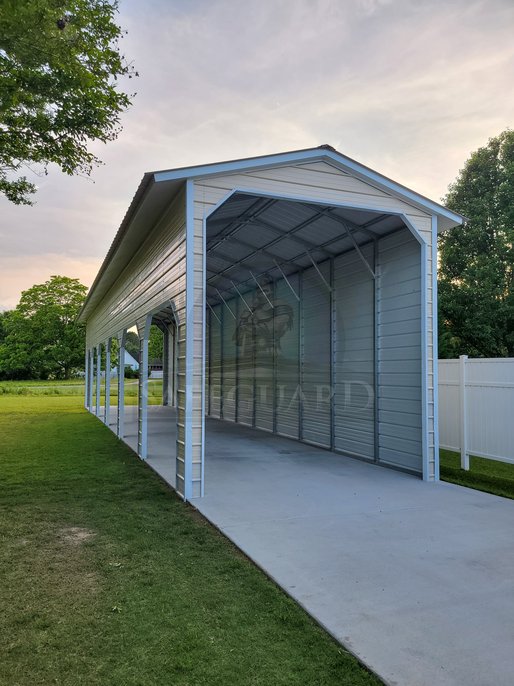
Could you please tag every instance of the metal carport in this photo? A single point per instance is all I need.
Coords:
(302, 291)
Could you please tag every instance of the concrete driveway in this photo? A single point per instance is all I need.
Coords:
(415, 579)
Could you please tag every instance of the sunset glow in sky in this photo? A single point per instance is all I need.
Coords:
(407, 87)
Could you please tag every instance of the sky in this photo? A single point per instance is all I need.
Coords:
(407, 87)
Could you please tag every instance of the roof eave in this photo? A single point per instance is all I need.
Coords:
(142, 190)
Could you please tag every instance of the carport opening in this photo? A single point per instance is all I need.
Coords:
(162, 391)
(314, 326)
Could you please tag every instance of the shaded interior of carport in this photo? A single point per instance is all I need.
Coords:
(313, 326)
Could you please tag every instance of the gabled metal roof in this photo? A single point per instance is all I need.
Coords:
(157, 189)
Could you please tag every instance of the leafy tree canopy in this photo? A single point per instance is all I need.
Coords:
(59, 64)
(132, 344)
(476, 271)
(41, 338)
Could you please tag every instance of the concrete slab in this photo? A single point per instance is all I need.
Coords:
(416, 579)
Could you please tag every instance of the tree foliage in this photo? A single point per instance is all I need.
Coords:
(155, 344)
(41, 338)
(476, 271)
(59, 65)
(132, 344)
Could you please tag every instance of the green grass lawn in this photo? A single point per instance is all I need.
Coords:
(75, 387)
(106, 577)
(491, 476)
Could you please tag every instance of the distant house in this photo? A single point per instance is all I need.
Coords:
(130, 362)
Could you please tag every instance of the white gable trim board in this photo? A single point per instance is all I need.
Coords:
(295, 281)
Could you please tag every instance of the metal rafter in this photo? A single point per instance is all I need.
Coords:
(255, 251)
(238, 224)
(265, 248)
(284, 262)
(349, 226)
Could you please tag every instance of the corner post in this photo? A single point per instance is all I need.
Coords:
(435, 349)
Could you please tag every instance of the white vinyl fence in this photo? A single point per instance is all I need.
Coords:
(476, 408)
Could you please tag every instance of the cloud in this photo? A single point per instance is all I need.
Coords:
(409, 88)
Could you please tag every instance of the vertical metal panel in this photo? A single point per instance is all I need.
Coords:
(245, 365)
(215, 363)
(287, 347)
(264, 354)
(316, 367)
(399, 352)
(208, 356)
(228, 364)
(354, 375)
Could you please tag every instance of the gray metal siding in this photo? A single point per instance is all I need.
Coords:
(354, 421)
(287, 367)
(264, 341)
(316, 345)
(215, 363)
(229, 372)
(399, 351)
(245, 366)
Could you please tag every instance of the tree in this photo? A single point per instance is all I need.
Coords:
(59, 66)
(132, 344)
(476, 271)
(155, 343)
(41, 337)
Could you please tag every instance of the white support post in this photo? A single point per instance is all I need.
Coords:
(98, 378)
(86, 380)
(174, 353)
(91, 372)
(464, 455)
(143, 328)
(120, 421)
(107, 404)
(166, 366)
